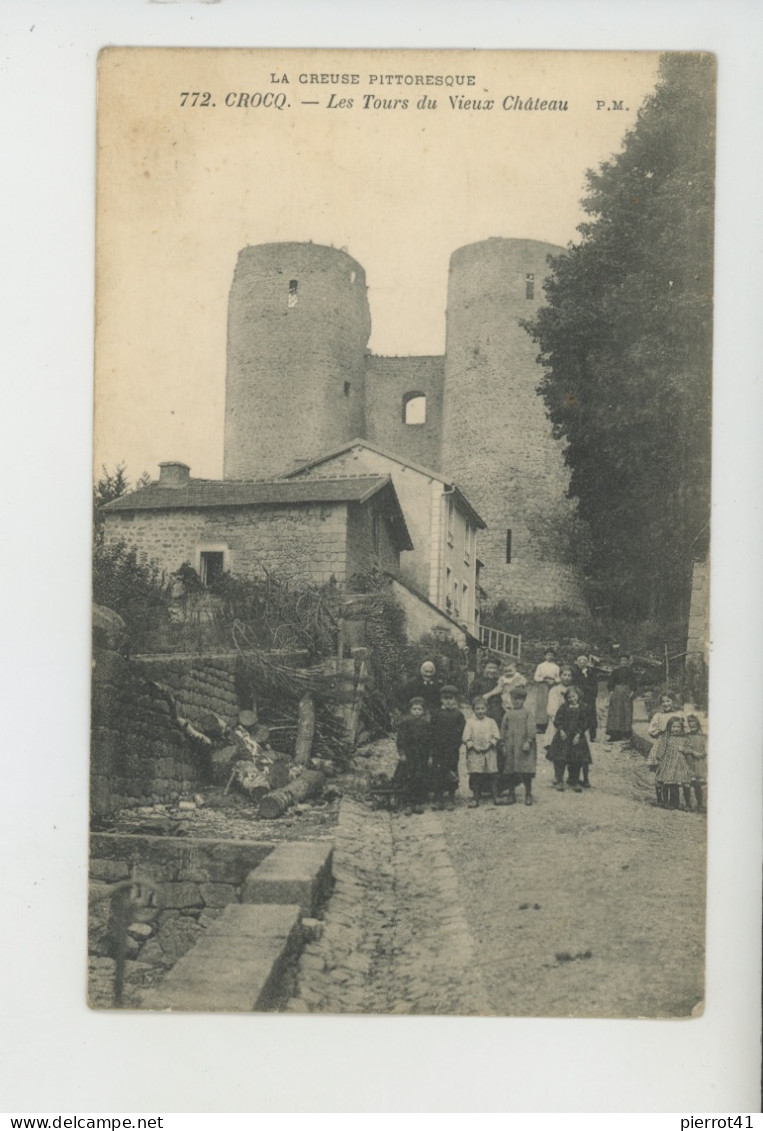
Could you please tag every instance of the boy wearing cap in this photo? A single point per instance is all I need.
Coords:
(447, 728)
(519, 744)
(414, 739)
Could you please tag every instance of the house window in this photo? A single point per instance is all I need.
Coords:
(376, 532)
(292, 301)
(211, 566)
(347, 387)
(529, 286)
(414, 408)
(508, 547)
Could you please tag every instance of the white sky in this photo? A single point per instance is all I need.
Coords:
(182, 190)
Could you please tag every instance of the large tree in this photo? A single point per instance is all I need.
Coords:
(626, 344)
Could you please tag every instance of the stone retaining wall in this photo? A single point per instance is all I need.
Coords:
(193, 881)
(200, 684)
(138, 754)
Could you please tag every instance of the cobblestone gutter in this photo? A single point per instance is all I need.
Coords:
(395, 939)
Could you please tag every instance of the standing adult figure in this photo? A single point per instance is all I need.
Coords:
(487, 686)
(622, 684)
(424, 686)
(585, 677)
(546, 675)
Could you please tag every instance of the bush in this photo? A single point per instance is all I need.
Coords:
(138, 591)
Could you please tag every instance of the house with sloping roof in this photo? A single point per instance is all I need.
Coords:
(443, 567)
(314, 530)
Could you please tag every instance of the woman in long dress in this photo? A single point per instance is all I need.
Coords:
(622, 684)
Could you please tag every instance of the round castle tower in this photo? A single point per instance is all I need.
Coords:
(298, 324)
(497, 440)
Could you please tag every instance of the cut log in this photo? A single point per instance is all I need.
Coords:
(305, 729)
(308, 784)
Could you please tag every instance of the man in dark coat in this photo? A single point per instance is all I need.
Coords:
(585, 677)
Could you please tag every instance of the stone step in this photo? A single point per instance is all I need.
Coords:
(294, 872)
(238, 964)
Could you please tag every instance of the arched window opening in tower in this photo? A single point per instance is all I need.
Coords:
(508, 547)
(292, 293)
(414, 408)
(530, 286)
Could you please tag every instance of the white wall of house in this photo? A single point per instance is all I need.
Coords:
(423, 500)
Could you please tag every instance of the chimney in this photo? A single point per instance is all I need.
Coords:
(174, 474)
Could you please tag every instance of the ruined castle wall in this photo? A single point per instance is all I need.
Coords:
(389, 380)
(298, 324)
(497, 441)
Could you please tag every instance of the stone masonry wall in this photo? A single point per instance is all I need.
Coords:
(193, 882)
(138, 754)
(388, 380)
(199, 684)
(298, 324)
(301, 542)
(513, 471)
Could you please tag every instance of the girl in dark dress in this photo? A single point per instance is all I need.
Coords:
(569, 746)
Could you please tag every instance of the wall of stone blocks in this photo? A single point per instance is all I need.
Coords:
(199, 684)
(138, 755)
(301, 542)
(514, 473)
(388, 380)
(193, 882)
(298, 324)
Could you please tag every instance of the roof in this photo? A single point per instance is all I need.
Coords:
(428, 471)
(204, 493)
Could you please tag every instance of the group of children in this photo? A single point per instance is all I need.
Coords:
(678, 757)
(499, 739)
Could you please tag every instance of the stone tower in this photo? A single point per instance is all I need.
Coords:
(497, 440)
(298, 325)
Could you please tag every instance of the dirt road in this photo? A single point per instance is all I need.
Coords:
(587, 904)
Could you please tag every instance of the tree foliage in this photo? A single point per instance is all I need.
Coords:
(626, 345)
(135, 589)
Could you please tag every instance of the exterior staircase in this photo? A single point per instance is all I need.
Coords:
(502, 643)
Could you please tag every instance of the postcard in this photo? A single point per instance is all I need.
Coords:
(401, 532)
